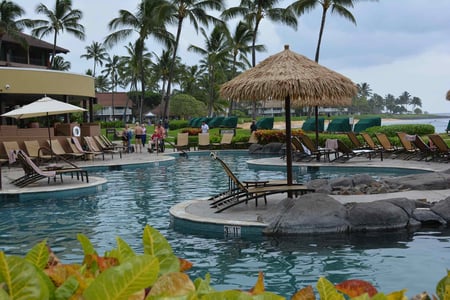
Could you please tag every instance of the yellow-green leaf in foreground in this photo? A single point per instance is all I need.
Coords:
(86, 244)
(124, 250)
(155, 243)
(119, 282)
(39, 255)
(22, 278)
(327, 291)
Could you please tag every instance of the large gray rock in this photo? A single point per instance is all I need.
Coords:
(320, 186)
(432, 181)
(442, 208)
(311, 213)
(376, 215)
(426, 216)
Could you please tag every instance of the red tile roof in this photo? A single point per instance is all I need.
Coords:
(120, 99)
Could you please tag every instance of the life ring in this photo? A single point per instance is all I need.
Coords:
(76, 131)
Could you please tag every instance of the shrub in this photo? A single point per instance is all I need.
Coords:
(391, 130)
(177, 124)
(156, 274)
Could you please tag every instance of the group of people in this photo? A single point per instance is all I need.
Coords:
(140, 138)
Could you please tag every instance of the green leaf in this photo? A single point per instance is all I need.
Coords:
(124, 250)
(120, 282)
(86, 244)
(168, 263)
(155, 243)
(440, 288)
(4, 295)
(267, 296)
(22, 278)
(225, 295)
(67, 289)
(379, 296)
(203, 286)
(39, 255)
(327, 291)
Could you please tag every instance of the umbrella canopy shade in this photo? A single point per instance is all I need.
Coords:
(290, 74)
(149, 114)
(448, 95)
(43, 107)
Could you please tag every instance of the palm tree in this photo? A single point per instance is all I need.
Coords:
(195, 11)
(102, 84)
(240, 44)
(9, 22)
(404, 100)
(97, 52)
(254, 11)
(112, 71)
(149, 20)
(338, 6)
(131, 68)
(216, 56)
(62, 18)
(60, 64)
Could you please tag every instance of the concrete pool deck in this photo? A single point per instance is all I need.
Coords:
(197, 210)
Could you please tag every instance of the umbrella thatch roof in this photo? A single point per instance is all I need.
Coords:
(290, 74)
(448, 95)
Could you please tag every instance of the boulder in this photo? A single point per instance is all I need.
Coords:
(376, 215)
(310, 213)
(427, 216)
(432, 181)
(319, 185)
(442, 208)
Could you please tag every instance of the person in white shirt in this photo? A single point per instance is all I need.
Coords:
(205, 127)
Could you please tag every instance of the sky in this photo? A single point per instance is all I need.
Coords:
(396, 46)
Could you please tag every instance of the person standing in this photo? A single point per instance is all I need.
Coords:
(138, 137)
(205, 127)
(253, 127)
(144, 135)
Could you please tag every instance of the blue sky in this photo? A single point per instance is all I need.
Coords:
(397, 45)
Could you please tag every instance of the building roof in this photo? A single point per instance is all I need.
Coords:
(120, 99)
(34, 42)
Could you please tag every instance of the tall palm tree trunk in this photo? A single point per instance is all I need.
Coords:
(172, 68)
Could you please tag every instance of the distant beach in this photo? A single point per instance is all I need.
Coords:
(440, 123)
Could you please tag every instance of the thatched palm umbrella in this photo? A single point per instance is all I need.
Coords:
(290, 77)
(448, 95)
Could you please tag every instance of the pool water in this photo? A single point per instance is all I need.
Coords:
(136, 197)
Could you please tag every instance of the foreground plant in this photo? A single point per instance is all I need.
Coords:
(156, 274)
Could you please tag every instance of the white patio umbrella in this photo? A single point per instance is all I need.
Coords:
(45, 106)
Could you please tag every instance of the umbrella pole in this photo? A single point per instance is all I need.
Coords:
(316, 116)
(287, 106)
(49, 138)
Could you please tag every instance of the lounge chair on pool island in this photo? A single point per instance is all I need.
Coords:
(240, 192)
(34, 173)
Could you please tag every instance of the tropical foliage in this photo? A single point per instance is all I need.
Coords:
(157, 273)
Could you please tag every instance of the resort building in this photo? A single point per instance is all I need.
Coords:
(113, 106)
(25, 76)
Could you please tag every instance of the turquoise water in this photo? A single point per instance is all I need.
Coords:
(136, 197)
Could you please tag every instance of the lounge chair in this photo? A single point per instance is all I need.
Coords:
(239, 192)
(442, 149)
(203, 141)
(298, 151)
(10, 148)
(409, 149)
(370, 142)
(425, 152)
(182, 142)
(386, 144)
(94, 147)
(225, 142)
(76, 147)
(111, 144)
(355, 141)
(106, 148)
(37, 152)
(346, 153)
(58, 149)
(33, 173)
(318, 152)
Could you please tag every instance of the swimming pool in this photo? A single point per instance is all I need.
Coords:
(139, 196)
